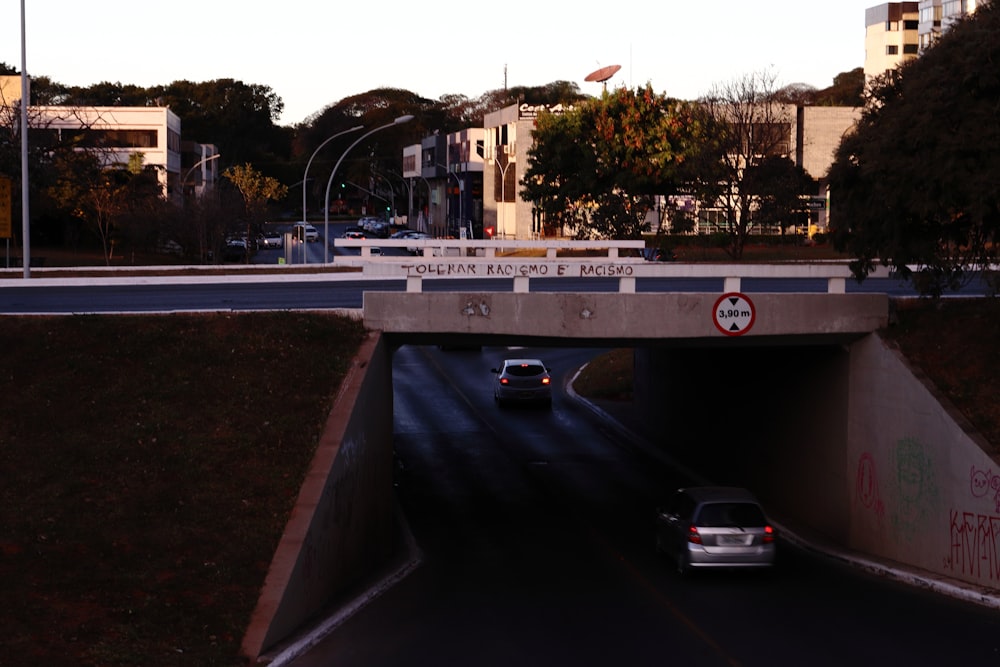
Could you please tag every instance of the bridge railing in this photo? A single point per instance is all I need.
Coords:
(490, 248)
(522, 261)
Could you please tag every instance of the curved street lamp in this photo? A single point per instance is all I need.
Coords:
(326, 201)
(305, 179)
(461, 195)
(193, 167)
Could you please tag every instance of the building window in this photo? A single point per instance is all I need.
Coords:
(911, 49)
(891, 50)
(910, 25)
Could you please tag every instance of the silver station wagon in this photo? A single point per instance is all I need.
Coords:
(715, 526)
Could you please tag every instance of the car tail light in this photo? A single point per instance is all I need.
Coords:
(693, 536)
(546, 380)
(768, 535)
(504, 381)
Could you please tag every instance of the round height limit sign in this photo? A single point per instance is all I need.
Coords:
(734, 314)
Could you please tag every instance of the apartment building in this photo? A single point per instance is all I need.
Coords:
(937, 16)
(891, 36)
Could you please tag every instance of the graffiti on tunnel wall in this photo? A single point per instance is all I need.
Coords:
(910, 496)
(975, 535)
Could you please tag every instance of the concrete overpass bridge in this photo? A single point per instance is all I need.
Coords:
(791, 393)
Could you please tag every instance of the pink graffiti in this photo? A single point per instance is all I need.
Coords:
(866, 486)
(975, 545)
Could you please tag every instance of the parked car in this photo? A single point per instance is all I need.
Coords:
(404, 233)
(354, 234)
(272, 239)
(523, 381)
(415, 236)
(308, 232)
(235, 249)
(715, 526)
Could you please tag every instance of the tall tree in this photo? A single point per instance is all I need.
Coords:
(597, 167)
(753, 125)
(916, 185)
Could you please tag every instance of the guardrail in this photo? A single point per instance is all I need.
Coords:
(441, 258)
(488, 248)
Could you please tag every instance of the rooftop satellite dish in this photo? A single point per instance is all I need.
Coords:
(602, 75)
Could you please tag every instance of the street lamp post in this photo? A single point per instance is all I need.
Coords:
(305, 179)
(461, 191)
(409, 192)
(429, 223)
(25, 218)
(193, 167)
(199, 217)
(326, 200)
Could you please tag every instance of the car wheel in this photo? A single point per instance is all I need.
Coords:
(682, 563)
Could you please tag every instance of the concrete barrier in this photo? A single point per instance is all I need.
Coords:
(342, 524)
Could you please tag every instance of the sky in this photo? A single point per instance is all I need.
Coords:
(314, 54)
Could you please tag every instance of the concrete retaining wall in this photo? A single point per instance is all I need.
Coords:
(846, 441)
(922, 488)
(342, 523)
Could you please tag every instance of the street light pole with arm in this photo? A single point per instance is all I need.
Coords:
(305, 174)
(461, 190)
(326, 201)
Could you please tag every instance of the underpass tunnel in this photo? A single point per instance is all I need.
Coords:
(773, 419)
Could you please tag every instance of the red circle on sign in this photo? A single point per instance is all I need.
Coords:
(736, 318)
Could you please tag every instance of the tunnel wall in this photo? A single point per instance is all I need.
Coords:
(771, 419)
(342, 524)
(923, 486)
(848, 442)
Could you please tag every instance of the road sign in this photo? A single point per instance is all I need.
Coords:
(734, 314)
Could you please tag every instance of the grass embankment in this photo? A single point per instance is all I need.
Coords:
(149, 465)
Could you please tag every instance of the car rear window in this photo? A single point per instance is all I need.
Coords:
(719, 515)
(525, 371)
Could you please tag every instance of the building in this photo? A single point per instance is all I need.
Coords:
(451, 168)
(891, 37)
(507, 139)
(809, 137)
(115, 134)
(937, 16)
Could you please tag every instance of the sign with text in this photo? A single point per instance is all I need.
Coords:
(734, 314)
(501, 269)
(5, 208)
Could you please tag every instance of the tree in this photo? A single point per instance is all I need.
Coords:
(753, 126)
(778, 184)
(916, 185)
(597, 167)
(848, 90)
(257, 191)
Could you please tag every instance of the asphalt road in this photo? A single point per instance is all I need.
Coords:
(534, 529)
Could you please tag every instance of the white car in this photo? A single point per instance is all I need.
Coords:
(306, 231)
(416, 236)
(522, 381)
